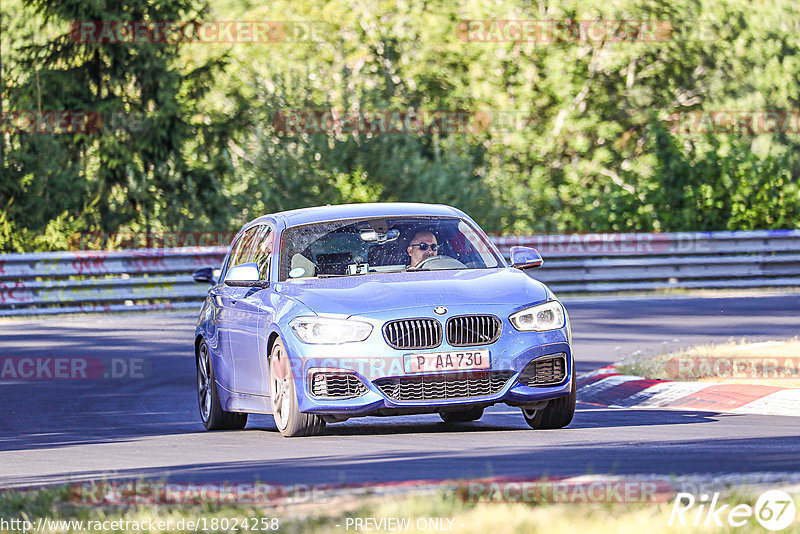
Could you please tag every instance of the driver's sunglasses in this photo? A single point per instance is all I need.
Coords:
(424, 246)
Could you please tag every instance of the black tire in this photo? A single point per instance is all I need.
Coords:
(557, 414)
(462, 416)
(211, 412)
(291, 422)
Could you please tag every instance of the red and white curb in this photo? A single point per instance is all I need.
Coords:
(606, 387)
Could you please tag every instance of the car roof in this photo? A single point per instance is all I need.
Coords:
(356, 211)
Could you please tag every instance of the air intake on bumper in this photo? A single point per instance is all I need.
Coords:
(545, 371)
(335, 385)
(445, 386)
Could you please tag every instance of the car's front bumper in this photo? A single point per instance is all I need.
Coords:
(373, 360)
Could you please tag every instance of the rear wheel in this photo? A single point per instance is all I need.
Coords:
(211, 412)
(557, 414)
(285, 410)
(462, 416)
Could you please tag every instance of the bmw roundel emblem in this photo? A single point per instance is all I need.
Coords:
(440, 310)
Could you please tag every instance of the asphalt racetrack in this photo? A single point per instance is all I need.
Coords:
(145, 423)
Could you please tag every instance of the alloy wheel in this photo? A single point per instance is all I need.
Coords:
(280, 377)
(204, 382)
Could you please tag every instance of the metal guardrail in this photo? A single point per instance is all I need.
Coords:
(102, 281)
(597, 263)
(152, 279)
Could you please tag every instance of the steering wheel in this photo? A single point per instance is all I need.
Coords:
(432, 263)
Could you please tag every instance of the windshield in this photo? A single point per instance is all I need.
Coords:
(365, 246)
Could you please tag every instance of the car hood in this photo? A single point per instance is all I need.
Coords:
(365, 294)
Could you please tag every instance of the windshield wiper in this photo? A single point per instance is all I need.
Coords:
(333, 275)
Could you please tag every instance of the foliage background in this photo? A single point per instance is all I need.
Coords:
(200, 151)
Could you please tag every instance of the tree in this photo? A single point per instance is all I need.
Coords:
(155, 160)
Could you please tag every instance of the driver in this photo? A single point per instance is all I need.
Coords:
(423, 245)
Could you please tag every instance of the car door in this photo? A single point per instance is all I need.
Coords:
(252, 313)
(229, 318)
(223, 298)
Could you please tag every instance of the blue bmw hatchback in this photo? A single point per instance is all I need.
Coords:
(322, 314)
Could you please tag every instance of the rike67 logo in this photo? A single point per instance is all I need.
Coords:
(774, 510)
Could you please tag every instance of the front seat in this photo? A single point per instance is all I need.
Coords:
(299, 261)
(388, 254)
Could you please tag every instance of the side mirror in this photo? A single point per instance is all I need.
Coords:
(206, 275)
(525, 258)
(243, 275)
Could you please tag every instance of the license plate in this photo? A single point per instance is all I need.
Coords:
(446, 361)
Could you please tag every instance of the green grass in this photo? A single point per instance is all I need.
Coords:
(774, 361)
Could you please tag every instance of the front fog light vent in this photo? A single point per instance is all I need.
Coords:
(545, 371)
(335, 385)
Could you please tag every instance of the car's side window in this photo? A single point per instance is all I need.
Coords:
(245, 251)
(230, 260)
(254, 245)
(262, 254)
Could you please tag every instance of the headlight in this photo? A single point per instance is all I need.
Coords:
(329, 331)
(547, 316)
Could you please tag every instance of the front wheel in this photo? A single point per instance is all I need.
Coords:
(285, 410)
(211, 412)
(557, 414)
